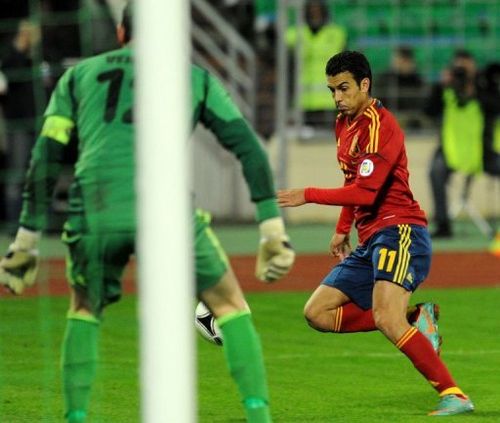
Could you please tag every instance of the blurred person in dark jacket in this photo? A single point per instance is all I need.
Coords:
(400, 86)
(19, 103)
(10, 10)
(490, 98)
(465, 112)
(321, 38)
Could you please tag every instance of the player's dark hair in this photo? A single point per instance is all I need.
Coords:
(350, 61)
(127, 21)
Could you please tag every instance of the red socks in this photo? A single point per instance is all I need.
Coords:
(351, 318)
(420, 352)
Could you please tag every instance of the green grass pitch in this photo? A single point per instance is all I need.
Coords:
(313, 377)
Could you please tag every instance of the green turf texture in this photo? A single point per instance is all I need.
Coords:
(31, 331)
(313, 377)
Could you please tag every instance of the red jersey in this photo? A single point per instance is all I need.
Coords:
(376, 192)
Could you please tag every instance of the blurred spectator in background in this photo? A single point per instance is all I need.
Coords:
(400, 86)
(490, 96)
(10, 12)
(14, 8)
(72, 30)
(264, 24)
(3, 161)
(321, 39)
(238, 13)
(460, 104)
(61, 36)
(24, 89)
(68, 34)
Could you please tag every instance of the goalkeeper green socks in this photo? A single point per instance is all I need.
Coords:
(79, 361)
(244, 357)
(77, 416)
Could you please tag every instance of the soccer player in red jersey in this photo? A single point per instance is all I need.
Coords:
(371, 287)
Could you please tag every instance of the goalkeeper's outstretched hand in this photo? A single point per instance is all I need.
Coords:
(276, 255)
(19, 267)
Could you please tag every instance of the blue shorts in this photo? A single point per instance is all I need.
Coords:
(399, 254)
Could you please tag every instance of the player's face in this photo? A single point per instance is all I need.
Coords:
(350, 98)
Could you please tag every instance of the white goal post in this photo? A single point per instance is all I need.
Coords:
(167, 355)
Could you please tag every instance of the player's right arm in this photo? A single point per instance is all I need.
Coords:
(223, 118)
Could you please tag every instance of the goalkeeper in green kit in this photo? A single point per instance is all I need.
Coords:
(92, 105)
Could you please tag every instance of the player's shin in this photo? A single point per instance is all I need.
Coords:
(79, 361)
(425, 359)
(244, 357)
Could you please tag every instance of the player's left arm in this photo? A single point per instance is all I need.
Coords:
(340, 245)
(345, 221)
(45, 166)
(48, 154)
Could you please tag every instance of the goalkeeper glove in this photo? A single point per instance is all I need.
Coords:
(19, 267)
(275, 256)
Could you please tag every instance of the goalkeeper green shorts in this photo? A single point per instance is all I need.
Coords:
(211, 262)
(95, 264)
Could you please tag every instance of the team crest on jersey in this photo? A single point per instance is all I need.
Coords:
(354, 148)
(366, 168)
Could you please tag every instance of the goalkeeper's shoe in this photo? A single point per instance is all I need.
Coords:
(452, 404)
(425, 319)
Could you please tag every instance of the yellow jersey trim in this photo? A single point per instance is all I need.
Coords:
(374, 129)
(403, 253)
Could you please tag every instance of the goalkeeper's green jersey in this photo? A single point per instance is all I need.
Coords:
(92, 105)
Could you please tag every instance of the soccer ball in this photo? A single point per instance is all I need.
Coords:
(206, 325)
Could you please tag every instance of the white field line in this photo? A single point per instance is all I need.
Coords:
(395, 354)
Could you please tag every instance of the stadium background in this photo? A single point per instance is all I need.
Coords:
(32, 325)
